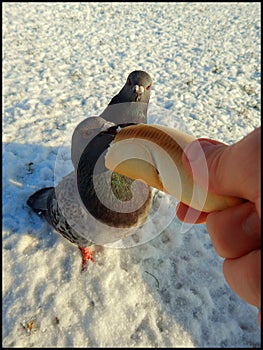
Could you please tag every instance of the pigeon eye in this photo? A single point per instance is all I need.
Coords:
(129, 81)
(148, 87)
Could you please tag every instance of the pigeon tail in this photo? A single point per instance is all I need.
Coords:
(39, 200)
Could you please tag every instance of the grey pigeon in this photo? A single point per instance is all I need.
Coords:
(93, 205)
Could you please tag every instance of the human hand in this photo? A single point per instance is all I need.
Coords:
(235, 232)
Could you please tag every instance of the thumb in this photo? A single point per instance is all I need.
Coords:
(232, 170)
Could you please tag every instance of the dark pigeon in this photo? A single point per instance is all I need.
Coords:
(93, 205)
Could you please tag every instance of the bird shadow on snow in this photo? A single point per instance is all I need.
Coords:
(26, 169)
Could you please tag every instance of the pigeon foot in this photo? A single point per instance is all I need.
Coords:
(86, 255)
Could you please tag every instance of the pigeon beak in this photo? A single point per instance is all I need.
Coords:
(139, 90)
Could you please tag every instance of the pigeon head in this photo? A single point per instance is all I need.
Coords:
(131, 103)
(137, 88)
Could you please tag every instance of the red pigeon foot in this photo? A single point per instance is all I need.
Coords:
(86, 255)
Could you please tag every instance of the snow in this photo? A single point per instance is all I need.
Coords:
(63, 62)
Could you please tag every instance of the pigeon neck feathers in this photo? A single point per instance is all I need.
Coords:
(105, 193)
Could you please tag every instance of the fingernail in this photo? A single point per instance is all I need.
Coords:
(196, 150)
(251, 223)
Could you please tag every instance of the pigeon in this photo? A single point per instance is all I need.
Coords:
(93, 205)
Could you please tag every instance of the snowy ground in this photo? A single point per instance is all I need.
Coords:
(62, 63)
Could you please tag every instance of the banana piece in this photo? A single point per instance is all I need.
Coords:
(153, 153)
